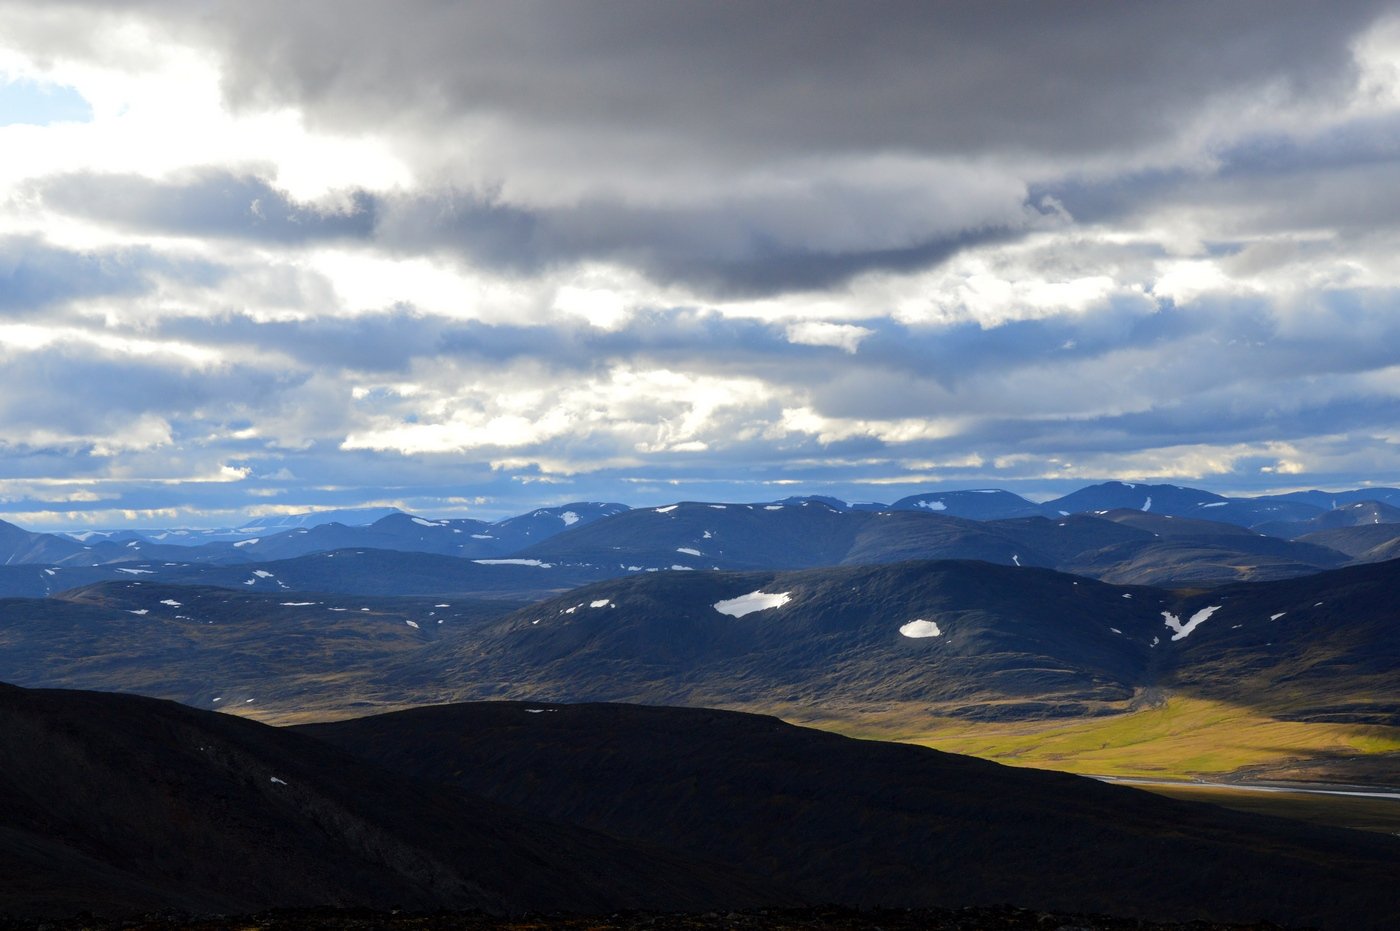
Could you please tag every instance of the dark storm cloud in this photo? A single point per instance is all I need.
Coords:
(640, 111)
(726, 249)
(794, 75)
(209, 203)
(1275, 181)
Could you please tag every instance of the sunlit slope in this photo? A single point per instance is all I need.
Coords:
(1182, 736)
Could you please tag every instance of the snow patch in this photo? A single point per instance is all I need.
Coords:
(246, 542)
(1274, 617)
(921, 628)
(667, 509)
(569, 518)
(172, 603)
(138, 571)
(1146, 505)
(600, 603)
(50, 572)
(297, 604)
(719, 507)
(1128, 595)
(688, 551)
(426, 523)
(1197, 619)
(772, 507)
(514, 562)
(482, 536)
(932, 506)
(137, 611)
(1214, 504)
(413, 624)
(262, 573)
(1016, 558)
(679, 568)
(277, 781)
(753, 601)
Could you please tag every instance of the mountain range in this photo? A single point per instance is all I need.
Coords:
(1314, 660)
(1168, 535)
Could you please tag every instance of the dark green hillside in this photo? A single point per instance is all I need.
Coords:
(1325, 648)
(1357, 541)
(221, 649)
(1024, 640)
(1192, 561)
(383, 572)
(903, 535)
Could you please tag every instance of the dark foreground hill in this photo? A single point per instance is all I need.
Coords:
(826, 918)
(867, 823)
(117, 804)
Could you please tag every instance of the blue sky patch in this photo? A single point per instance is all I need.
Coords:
(39, 104)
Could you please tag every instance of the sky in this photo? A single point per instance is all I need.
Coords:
(469, 258)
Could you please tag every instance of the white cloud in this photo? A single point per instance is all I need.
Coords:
(843, 336)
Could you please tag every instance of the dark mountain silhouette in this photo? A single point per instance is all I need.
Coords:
(119, 804)
(871, 823)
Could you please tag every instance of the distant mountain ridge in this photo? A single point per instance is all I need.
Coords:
(1123, 532)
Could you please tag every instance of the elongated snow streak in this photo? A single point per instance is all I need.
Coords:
(753, 601)
(1197, 619)
(514, 562)
(921, 628)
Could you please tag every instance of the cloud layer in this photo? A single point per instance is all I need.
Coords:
(470, 257)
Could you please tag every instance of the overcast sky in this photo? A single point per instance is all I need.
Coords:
(466, 258)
